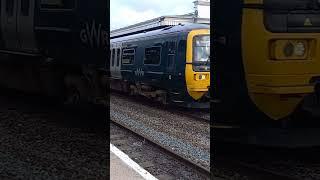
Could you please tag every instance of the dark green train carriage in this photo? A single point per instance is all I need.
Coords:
(170, 64)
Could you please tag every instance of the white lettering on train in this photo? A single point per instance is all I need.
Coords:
(95, 37)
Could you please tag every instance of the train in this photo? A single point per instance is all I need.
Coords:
(266, 68)
(55, 47)
(168, 64)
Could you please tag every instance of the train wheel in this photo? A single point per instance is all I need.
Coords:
(76, 90)
(132, 91)
(164, 99)
(72, 96)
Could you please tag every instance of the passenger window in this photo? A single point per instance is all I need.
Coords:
(113, 56)
(63, 4)
(118, 57)
(25, 7)
(9, 7)
(152, 55)
(128, 56)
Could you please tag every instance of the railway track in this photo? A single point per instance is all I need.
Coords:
(204, 170)
(200, 115)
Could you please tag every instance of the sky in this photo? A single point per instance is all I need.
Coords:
(128, 12)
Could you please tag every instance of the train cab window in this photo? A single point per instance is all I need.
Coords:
(152, 55)
(113, 56)
(9, 7)
(201, 53)
(128, 56)
(25, 7)
(118, 57)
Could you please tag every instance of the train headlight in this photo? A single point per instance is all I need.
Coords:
(199, 77)
(289, 50)
(299, 49)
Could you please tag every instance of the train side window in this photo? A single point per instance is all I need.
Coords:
(128, 56)
(113, 56)
(25, 7)
(9, 7)
(118, 57)
(152, 55)
(62, 4)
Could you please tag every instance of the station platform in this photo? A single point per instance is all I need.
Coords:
(124, 168)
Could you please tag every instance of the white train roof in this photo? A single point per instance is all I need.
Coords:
(159, 22)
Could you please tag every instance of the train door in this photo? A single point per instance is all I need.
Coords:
(25, 25)
(112, 61)
(171, 49)
(153, 62)
(117, 68)
(9, 23)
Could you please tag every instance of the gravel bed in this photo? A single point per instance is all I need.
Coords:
(182, 134)
(164, 166)
(302, 164)
(296, 168)
(38, 142)
(174, 124)
(197, 113)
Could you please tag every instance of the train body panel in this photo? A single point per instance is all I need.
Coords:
(17, 26)
(67, 31)
(55, 47)
(154, 64)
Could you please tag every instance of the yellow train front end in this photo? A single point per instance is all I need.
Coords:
(267, 58)
(281, 54)
(197, 70)
(266, 64)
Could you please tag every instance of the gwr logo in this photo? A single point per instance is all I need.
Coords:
(95, 37)
(139, 72)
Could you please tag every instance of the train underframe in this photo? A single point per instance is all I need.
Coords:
(70, 84)
(163, 96)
